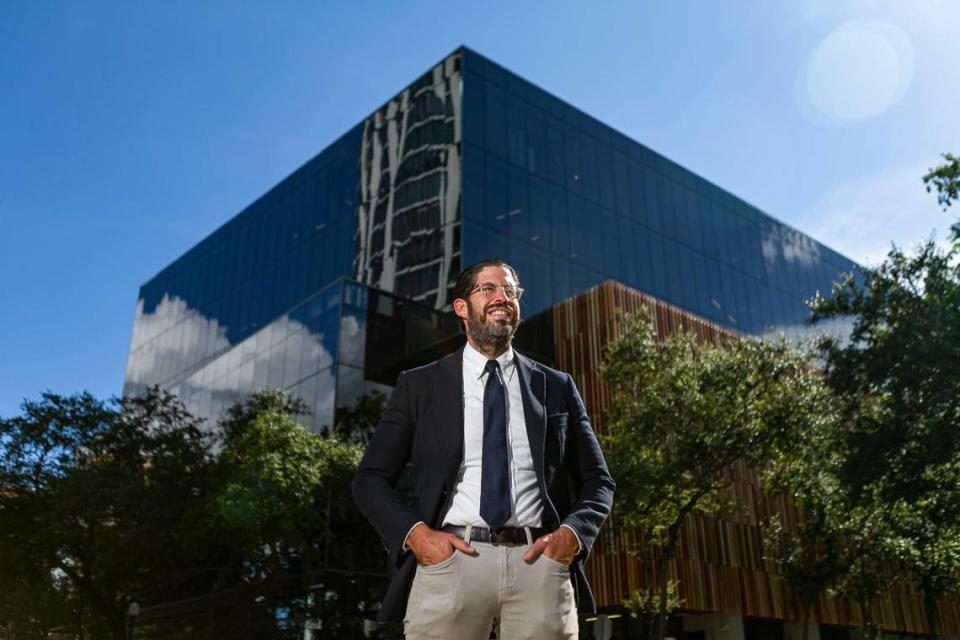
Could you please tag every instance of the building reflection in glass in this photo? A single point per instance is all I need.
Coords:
(346, 341)
(409, 191)
(296, 352)
(468, 162)
(571, 202)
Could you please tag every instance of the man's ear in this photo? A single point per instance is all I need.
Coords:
(460, 308)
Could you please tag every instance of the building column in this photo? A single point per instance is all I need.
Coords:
(716, 626)
(793, 630)
(602, 627)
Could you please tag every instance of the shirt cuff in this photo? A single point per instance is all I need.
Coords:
(407, 537)
(575, 535)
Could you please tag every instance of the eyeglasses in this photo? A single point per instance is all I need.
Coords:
(488, 290)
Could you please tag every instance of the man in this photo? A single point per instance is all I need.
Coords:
(510, 485)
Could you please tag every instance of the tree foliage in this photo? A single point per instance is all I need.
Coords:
(835, 544)
(357, 422)
(215, 532)
(87, 486)
(682, 414)
(898, 376)
(277, 487)
(945, 178)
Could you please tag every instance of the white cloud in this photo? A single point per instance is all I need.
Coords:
(860, 218)
(352, 344)
(225, 379)
(148, 365)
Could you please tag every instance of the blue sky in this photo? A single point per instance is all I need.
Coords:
(130, 130)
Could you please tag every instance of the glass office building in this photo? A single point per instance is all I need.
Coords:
(340, 275)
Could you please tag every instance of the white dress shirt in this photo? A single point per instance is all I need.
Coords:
(526, 509)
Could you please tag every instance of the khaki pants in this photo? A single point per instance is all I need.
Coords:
(464, 597)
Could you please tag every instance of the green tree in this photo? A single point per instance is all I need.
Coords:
(898, 375)
(356, 423)
(837, 542)
(216, 532)
(87, 488)
(682, 414)
(945, 178)
(277, 486)
(867, 577)
(809, 554)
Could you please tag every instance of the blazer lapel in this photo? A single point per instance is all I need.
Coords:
(448, 399)
(533, 388)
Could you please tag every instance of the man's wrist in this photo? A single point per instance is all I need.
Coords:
(406, 538)
(576, 537)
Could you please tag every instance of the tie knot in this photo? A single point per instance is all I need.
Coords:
(492, 367)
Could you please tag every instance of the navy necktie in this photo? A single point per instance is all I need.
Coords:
(494, 478)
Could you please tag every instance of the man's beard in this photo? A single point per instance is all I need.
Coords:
(489, 331)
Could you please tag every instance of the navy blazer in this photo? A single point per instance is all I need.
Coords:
(423, 425)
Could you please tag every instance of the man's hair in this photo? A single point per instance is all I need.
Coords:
(467, 279)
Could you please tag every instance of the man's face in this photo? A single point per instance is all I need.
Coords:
(493, 320)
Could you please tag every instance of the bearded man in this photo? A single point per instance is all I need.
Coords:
(510, 486)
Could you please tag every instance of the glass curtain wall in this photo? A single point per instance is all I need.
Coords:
(408, 218)
(469, 154)
(291, 242)
(297, 352)
(571, 202)
(381, 204)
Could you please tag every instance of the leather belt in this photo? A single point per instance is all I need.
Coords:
(507, 535)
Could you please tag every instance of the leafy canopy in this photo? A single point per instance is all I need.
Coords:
(682, 415)
(898, 376)
(107, 503)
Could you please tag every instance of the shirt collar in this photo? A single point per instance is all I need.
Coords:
(476, 362)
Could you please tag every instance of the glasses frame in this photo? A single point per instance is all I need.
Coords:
(478, 288)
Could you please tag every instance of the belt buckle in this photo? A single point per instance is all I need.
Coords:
(496, 536)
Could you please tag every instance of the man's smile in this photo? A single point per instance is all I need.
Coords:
(500, 313)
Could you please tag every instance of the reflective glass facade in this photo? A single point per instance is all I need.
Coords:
(571, 202)
(271, 298)
(339, 275)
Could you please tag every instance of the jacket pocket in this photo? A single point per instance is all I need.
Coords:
(557, 427)
(555, 441)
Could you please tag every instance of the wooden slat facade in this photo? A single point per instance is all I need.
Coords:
(719, 563)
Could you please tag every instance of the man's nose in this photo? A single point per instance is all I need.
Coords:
(498, 295)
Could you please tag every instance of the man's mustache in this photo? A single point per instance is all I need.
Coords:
(493, 307)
